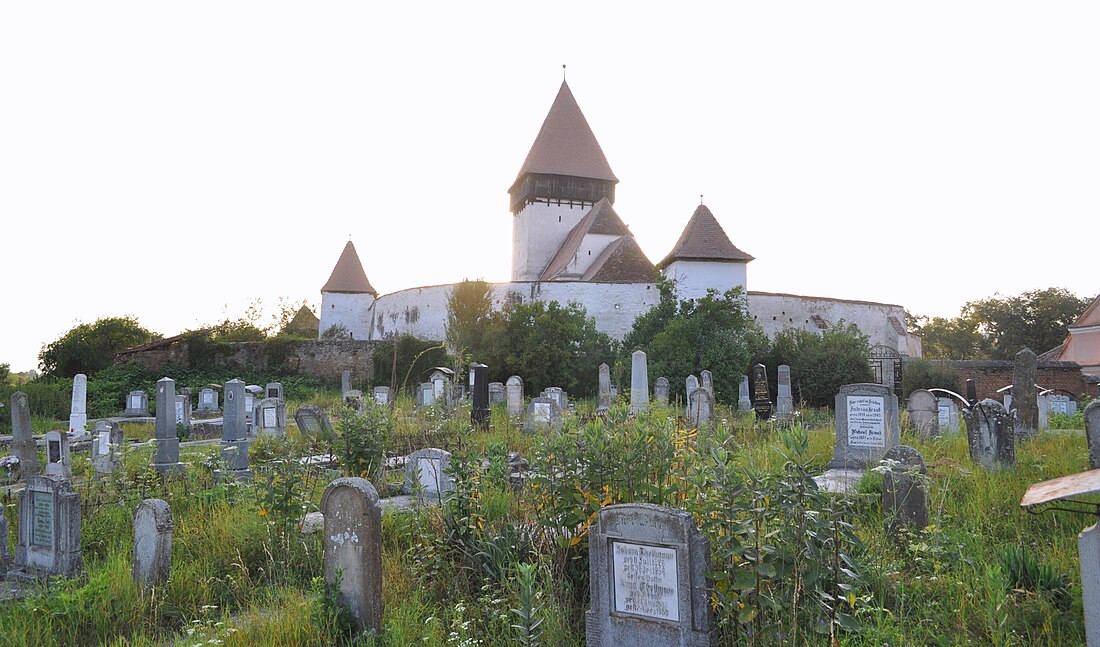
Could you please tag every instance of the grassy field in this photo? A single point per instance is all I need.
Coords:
(983, 573)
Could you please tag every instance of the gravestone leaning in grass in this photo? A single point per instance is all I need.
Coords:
(904, 494)
(647, 567)
(353, 548)
(22, 438)
(152, 542)
(313, 422)
(990, 435)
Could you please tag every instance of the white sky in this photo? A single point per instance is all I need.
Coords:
(173, 161)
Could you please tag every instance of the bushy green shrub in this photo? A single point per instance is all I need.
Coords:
(88, 348)
(402, 362)
(820, 363)
(925, 374)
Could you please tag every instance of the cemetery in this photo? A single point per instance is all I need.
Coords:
(641, 510)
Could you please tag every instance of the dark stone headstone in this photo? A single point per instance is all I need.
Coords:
(761, 394)
(990, 435)
(479, 388)
(904, 495)
(1024, 394)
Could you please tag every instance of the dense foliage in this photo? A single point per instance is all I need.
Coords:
(89, 348)
(820, 363)
(925, 374)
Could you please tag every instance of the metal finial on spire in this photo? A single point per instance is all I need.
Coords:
(700, 198)
(563, 72)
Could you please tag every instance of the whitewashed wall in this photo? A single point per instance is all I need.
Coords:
(538, 230)
(774, 312)
(350, 310)
(694, 278)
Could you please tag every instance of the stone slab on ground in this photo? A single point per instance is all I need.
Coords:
(839, 481)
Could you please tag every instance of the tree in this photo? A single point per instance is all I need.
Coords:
(5, 373)
(88, 348)
(469, 319)
(713, 333)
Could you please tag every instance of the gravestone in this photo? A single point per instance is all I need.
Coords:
(924, 413)
(904, 493)
(702, 407)
(49, 528)
(208, 400)
(479, 395)
(107, 440)
(648, 572)
(557, 395)
(22, 438)
(496, 393)
(137, 405)
(59, 463)
(1092, 433)
(604, 389)
(744, 402)
(1043, 412)
(514, 392)
(1024, 394)
(761, 394)
(382, 396)
(152, 543)
(183, 410)
(345, 382)
(1062, 405)
(543, 413)
(78, 412)
(947, 411)
(439, 381)
(660, 391)
(784, 401)
(353, 548)
(867, 425)
(1088, 549)
(166, 457)
(425, 395)
(313, 421)
(271, 418)
(990, 435)
(234, 448)
(426, 471)
(5, 553)
(639, 382)
(249, 410)
(690, 386)
(706, 381)
(274, 390)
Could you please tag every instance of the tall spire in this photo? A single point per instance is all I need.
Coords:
(348, 276)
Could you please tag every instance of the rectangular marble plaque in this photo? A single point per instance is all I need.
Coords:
(1060, 407)
(645, 581)
(945, 416)
(135, 401)
(866, 421)
(104, 443)
(207, 397)
(428, 469)
(179, 412)
(269, 418)
(42, 519)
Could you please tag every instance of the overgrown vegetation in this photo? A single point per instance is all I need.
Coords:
(924, 374)
(820, 363)
(90, 348)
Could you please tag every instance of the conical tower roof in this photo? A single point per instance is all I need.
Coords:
(348, 276)
(704, 239)
(566, 144)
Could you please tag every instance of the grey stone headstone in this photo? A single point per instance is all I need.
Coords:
(234, 448)
(166, 458)
(353, 548)
(604, 388)
(514, 393)
(690, 385)
(660, 391)
(557, 395)
(947, 415)
(22, 443)
(702, 407)
(1024, 394)
(208, 400)
(784, 401)
(904, 495)
(1092, 433)
(1043, 412)
(639, 382)
(427, 471)
(744, 403)
(1062, 405)
(867, 425)
(496, 393)
(990, 435)
(1088, 550)
(137, 405)
(312, 421)
(924, 413)
(78, 414)
(49, 528)
(439, 381)
(152, 543)
(426, 395)
(58, 462)
(270, 418)
(382, 396)
(706, 381)
(106, 441)
(182, 410)
(345, 381)
(648, 567)
(274, 390)
(542, 413)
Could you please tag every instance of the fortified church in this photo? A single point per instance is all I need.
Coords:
(570, 245)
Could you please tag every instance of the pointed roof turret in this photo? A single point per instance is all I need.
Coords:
(348, 276)
(704, 239)
(565, 147)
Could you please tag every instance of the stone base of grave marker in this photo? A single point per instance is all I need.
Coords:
(166, 457)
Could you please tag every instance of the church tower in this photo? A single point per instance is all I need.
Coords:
(347, 297)
(704, 258)
(564, 176)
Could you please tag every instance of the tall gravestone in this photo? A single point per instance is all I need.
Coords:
(660, 391)
(166, 457)
(1043, 412)
(513, 388)
(904, 494)
(345, 382)
(744, 402)
(690, 386)
(604, 388)
(1024, 394)
(648, 571)
(182, 410)
(1088, 549)
(353, 548)
(78, 412)
(706, 381)
(152, 543)
(784, 401)
(22, 438)
(235, 431)
(639, 382)
(59, 463)
(924, 413)
(49, 528)
(761, 394)
(990, 435)
(1092, 433)
(479, 394)
(867, 425)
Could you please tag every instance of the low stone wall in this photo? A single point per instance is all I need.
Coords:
(323, 360)
(990, 375)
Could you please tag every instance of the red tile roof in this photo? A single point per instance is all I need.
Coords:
(348, 276)
(704, 239)
(600, 219)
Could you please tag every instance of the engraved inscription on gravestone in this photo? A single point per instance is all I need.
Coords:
(269, 418)
(645, 582)
(866, 421)
(104, 443)
(428, 469)
(135, 401)
(42, 523)
(313, 425)
(945, 415)
(54, 450)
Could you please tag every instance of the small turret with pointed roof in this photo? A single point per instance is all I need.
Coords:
(704, 258)
(348, 276)
(347, 299)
